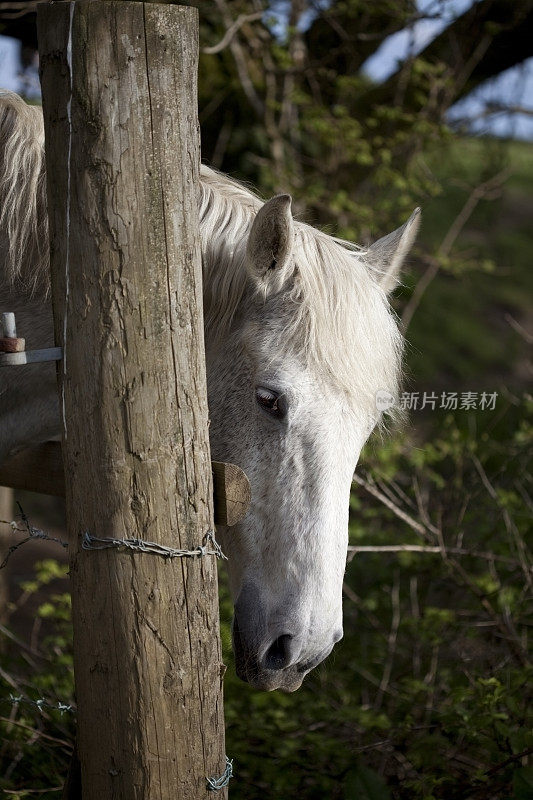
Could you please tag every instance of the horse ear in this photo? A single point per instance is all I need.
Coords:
(270, 244)
(387, 255)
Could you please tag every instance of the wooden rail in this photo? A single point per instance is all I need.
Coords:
(40, 469)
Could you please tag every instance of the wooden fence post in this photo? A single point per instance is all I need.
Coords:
(6, 512)
(122, 155)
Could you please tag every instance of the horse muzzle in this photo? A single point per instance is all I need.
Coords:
(280, 666)
(267, 674)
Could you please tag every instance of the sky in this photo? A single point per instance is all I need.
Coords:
(9, 64)
(513, 87)
(10, 70)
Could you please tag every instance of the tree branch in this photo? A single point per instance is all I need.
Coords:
(484, 190)
(468, 59)
(353, 549)
(240, 61)
(230, 33)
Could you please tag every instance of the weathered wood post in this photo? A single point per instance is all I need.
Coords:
(122, 155)
(6, 512)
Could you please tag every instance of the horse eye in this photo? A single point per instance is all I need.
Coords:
(272, 402)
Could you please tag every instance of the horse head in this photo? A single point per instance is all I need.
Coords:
(292, 382)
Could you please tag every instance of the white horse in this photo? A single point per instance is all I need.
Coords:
(299, 338)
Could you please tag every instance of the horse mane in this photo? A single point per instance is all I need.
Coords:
(333, 314)
(23, 216)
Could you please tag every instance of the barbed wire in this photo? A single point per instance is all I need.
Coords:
(40, 704)
(139, 545)
(90, 542)
(213, 784)
(33, 533)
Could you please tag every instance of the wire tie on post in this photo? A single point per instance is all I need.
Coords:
(215, 784)
(90, 542)
(139, 545)
(210, 536)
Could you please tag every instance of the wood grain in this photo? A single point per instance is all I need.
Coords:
(126, 278)
(7, 511)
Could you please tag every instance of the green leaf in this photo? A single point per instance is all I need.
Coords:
(363, 783)
(523, 784)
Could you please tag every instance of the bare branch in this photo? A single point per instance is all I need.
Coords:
(16, 10)
(391, 641)
(484, 479)
(241, 20)
(353, 549)
(429, 679)
(510, 760)
(41, 735)
(240, 61)
(413, 523)
(415, 613)
(351, 595)
(502, 108)
(512, 530)
(484, 190)
(501, 621)
(526, 336)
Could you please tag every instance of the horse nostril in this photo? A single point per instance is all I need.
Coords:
(278, 655)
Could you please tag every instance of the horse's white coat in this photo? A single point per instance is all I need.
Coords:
(289, 310)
